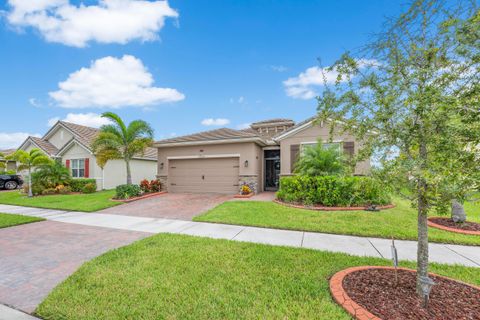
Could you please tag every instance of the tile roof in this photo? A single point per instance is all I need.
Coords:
(217, 134)
(272, 121)
(86, 135)
(296, 126)
(45, 145)
(7, 152)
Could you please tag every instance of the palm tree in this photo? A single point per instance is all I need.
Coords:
(320, 161)
(52, 174)
(118, 141)
(28, 161)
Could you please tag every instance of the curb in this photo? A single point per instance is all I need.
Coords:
(243, 196)
(355, 310)
(445, 228)
(388, 206)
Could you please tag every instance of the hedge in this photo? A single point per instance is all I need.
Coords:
(78, 185)
(333, 191)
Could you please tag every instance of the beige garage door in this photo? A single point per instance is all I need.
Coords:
(219, 175)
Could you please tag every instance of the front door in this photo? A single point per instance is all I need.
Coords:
(272, 169)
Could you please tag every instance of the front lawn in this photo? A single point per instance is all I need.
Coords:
(182, 277)
(73, 202)
(399, 222)
(10, 220)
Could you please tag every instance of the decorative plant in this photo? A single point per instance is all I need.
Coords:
(118, 141)
(319, 161)
(28, 161)
(155, 185)
(245, 190)
(145, 186)
(51, 175)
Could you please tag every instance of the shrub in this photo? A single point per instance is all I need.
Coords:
(126, 191)
(78, 185)
(320, 161)
(245, 189)
(330, 191)
(49, 191)
(145, 185)
(155, 185)
(51, 175)
(89, 188)
(62, 189)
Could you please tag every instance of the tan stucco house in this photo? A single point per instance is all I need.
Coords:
(70, 143)
(222, 160)
(10, 165)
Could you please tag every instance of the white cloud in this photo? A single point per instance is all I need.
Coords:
(34, 102)
(90, 119)
(112, 83)
(278, 68)
(241, 99)
(108, 21)
(243, 126)
(303, 85)
(215, 122)
(14, 139)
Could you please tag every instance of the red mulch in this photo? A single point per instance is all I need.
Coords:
(447, 222)
(375, 290)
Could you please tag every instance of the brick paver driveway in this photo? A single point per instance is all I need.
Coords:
(35, 257)
(182, 206)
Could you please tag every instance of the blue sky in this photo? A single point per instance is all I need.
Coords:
(174, 64)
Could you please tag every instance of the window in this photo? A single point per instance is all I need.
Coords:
(335, 145)
(78, 168)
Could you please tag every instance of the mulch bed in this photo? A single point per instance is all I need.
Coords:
(448, 224)
(323, 208)
(241, 196)
(374, 289)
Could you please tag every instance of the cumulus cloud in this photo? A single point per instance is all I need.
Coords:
(13, 139)
(107, 21)
(215, 122)
(112, 83)
(305, 84)
(90, 119)
(279, 68)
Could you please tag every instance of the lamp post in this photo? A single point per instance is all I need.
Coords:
(426, 284)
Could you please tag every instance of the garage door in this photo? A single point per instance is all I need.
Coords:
(219, 175)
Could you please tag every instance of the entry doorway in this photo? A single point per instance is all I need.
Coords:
(272, 169)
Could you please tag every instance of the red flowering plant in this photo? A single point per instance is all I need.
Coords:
(145, 186)
(155, 185)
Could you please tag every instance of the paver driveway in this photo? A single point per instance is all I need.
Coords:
(183, 206)
(35, 257)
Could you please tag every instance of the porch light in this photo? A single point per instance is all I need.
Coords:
(161, 166)
(246, 163)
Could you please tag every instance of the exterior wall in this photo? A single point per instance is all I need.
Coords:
(248, 151)
(115, 172)
(78, 152)
(60, 137)
(312, 134)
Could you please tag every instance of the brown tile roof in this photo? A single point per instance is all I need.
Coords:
(276, 120)
(45, 145)
(296, 126)
(7, 152)
(217, 134)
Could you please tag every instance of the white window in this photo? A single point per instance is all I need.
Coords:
(78, 168)
(336, 145)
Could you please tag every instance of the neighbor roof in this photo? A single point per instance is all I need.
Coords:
(7, 152)
(272, 121)
(212, 135)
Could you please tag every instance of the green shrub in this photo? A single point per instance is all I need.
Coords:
(89, 188)
(319, 160)
(126, 191)
(49, 191)
(333, 191)
(78, 185)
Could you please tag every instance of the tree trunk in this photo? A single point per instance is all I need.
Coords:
(30, 192)
(129, 174)
(458, 212)
(422, 248)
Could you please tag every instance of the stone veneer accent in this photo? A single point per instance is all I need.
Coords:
(250, 180)
(163, 182)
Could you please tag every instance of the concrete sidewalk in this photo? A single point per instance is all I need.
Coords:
(359, 246)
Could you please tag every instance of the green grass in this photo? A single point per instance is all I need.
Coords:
(399, 222)
(10, 220)
(183, 277)
(73, 202)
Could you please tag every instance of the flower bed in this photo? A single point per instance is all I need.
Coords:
(323, 208)
(369, 293)
(144, 196)
(448, 224)
(248, 195)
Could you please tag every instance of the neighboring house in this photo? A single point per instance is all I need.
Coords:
(222, 160)
(70, 143)
(11, 165)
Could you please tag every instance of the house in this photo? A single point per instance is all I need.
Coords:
(222, 160)
(70, 144)
(10, 165)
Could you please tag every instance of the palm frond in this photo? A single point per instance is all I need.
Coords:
(117, 122)
(137, 129)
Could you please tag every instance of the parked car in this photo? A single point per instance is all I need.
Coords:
(10, 181)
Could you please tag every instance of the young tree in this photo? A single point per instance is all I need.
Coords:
(320, 161)
(28, 161)
(117, 141)
(413, 96)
